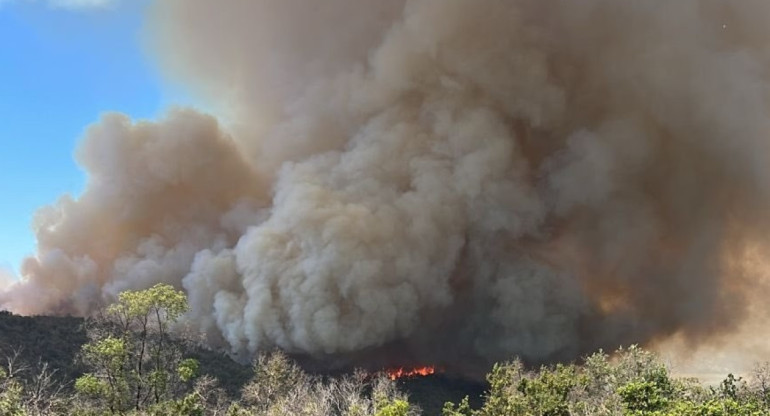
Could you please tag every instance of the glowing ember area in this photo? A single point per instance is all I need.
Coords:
(396, 373)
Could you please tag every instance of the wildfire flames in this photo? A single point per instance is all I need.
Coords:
(396, 373)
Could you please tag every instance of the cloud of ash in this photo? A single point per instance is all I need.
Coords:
(482, 178)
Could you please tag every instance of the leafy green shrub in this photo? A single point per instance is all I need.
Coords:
(10, 396)
(643, 396)
(397, 407)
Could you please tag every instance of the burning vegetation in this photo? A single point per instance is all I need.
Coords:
(397, 373)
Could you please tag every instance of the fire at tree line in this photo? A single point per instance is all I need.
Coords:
(131, 361)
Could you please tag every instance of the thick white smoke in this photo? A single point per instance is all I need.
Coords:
(525, 177)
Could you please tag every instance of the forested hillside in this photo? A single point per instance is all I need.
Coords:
(58, 340)
(129, 361)
(32, 342)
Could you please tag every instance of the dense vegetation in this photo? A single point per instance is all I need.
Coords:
(125, 361)
(633, 382)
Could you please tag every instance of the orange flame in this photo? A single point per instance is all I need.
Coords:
(396, 373)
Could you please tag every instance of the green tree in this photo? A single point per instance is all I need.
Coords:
(134, 363)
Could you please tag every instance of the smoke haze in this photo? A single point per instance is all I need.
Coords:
(540, 178)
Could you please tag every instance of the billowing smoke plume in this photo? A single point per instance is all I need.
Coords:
(482, 178)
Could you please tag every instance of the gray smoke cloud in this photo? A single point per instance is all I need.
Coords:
(482, 178)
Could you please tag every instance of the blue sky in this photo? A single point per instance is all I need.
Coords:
(62, 64)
